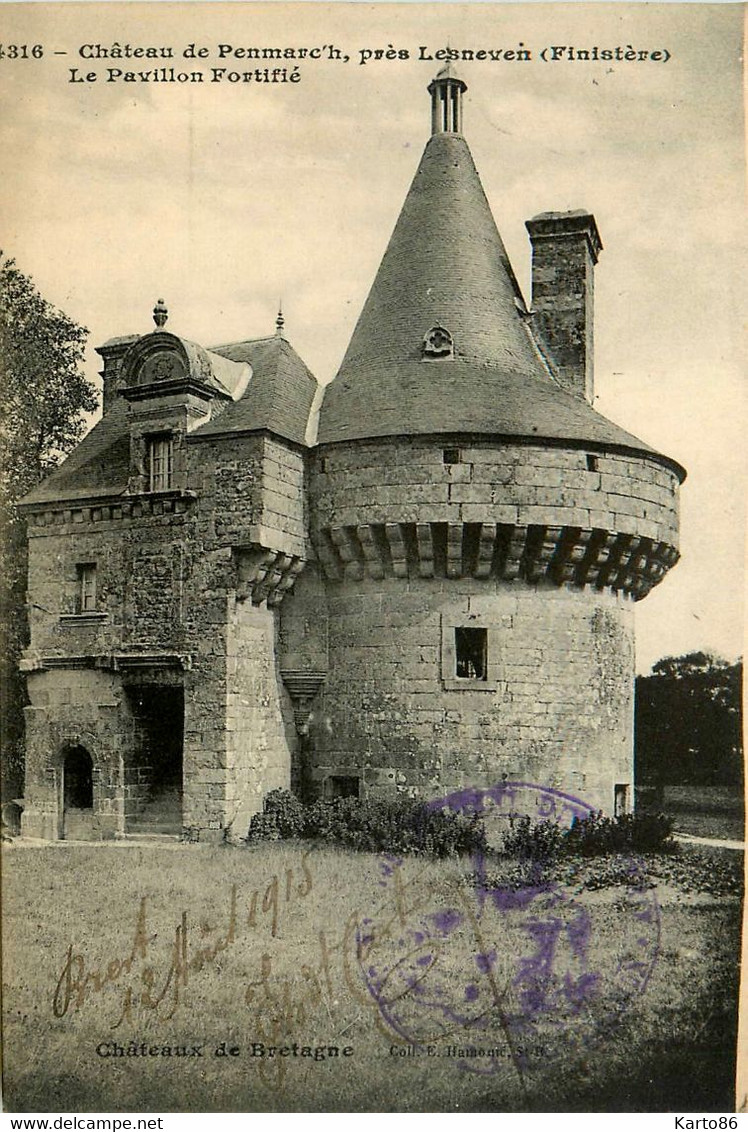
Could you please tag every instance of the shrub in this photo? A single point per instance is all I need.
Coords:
(535, 841)
(395, 825)
(263, 827)
(637, 833)
(592, 836)
(287, 811)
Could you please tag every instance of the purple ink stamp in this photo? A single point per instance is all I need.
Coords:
(494, 972)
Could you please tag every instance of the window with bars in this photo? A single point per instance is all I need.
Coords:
(160, 462)
(86, 587)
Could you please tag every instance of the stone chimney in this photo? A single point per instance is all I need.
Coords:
(112, 353)
(565, 247)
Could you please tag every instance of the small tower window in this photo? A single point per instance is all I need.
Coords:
(160, 462)
(451, 456)
(471, 653)
(592, 463)
(437, 343)
(86, 587)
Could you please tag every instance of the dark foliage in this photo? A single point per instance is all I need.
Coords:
(701, 868)
(44, 394)
(287, 813)
(688, 722)
(396, 825)
(634, 833)
(534, 841)
(593, 836)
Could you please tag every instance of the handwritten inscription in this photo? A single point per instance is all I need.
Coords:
(157, 986)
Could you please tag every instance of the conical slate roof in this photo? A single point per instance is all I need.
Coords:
(446, 266)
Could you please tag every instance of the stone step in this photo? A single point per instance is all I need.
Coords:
(149, 835)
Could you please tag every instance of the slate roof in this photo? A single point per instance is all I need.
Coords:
(446, 265)
(99, 465)
(279, 395)
(454, 396)
(278, 398)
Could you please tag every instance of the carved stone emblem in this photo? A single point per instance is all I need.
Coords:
(160, 367)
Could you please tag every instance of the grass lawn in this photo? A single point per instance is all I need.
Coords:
(708, 811)
(581, 1000)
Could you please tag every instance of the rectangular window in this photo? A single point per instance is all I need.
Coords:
(471, 653)
(160, 462)
(86, 587)
(343, 786)
(451, 456)
(592, 463)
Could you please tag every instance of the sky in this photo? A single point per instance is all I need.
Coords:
(225, 197)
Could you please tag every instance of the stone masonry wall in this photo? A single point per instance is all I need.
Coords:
(260, 736)
(557, 708)
(69, 708)
(166, 579)
(540, 546)
(408, 481)
(250, 484)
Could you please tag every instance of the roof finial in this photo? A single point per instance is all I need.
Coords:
(446, 92)
(280, 320)
(160, 313)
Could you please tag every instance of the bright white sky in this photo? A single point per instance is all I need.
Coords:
(220, 198)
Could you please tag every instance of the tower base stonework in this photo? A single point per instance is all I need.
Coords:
(555, 706)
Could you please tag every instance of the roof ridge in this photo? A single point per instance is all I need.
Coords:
(243, 342)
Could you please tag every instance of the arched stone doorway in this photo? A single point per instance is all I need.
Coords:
(77, 795)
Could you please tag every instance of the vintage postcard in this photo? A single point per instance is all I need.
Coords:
(373, 501)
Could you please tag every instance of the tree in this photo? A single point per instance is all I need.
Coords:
(44, 395)
(688, 722)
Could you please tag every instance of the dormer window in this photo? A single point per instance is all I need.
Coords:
(160, 462)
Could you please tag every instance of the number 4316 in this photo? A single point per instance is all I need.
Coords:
(21, 51)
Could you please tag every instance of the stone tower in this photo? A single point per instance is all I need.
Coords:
(482, 532)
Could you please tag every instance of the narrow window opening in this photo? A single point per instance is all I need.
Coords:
(621, 799)
(455, 107)
(592, 463)
(471, 653)
(160, 462)
(322, 464)
(451, 456)
(86, 587)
